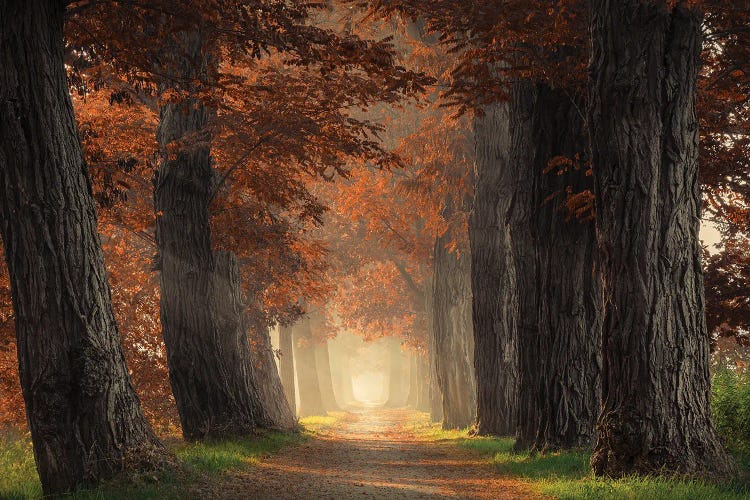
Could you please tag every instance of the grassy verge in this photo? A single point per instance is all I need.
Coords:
(202, 463)
(316, 425)
(568, 476)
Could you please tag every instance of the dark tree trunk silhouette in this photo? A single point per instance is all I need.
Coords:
(495, 302)
(286, 366)
(85, 418)
(656, 416)
(323, 360)
(215, 390)
(454, 336)
(559, 290)
(310, 398)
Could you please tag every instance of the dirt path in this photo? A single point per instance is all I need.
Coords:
(371, 454)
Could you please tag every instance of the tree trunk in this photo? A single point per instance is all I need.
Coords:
(454, 336)
(85, 418)
(559, 294)
(310, 397)
(215, 397)
(286, 364)
(272, 396)
(411, 400)
(346, 393)
(435, 395)
(323, 363)
(656, 416)
(423, 392)
(397, 393)
(495, 302)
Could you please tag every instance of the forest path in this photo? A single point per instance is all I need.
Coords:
(371, 453)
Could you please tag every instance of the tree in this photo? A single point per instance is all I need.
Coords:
(495, 300)
(559, 295)
(286, 366)
(656, 386)
(453, 335)
(310, 397)
(86, 420)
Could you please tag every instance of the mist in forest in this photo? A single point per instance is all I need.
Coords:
(349, 372)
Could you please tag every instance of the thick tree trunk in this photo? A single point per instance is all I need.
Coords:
(310, 398)
(272, 396)
(216, 392)
(495, 302)
(559, 315)
(454, 336)
(85, 418)
(286, 365)
(323, 361)
(656, 416)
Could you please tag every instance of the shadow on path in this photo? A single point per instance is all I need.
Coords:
(371, 454)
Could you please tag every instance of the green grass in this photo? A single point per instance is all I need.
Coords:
(568, 475)
(200, 462)
(316, 424)
(18, 478)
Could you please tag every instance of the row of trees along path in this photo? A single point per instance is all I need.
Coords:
(565, 299)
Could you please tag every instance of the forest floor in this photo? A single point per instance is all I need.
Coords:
(368, 453)
(371, 453)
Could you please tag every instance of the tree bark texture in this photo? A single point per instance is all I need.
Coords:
(454, 336)
(310, 397)
(559, 290)
(85, 419)
(656, 416)
(273, 399)
(286, 366)
(215, 389)
(493, 277)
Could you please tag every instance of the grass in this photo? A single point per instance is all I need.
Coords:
(201, 462)
(567, 475)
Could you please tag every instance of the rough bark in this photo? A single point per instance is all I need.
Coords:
(272, 397)
(323, 363)
(310, 398)
(559, 292)
(286, 366)
(454, 337)
(493, 278)
(656, 416)
(85, 418)
(215, 397)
